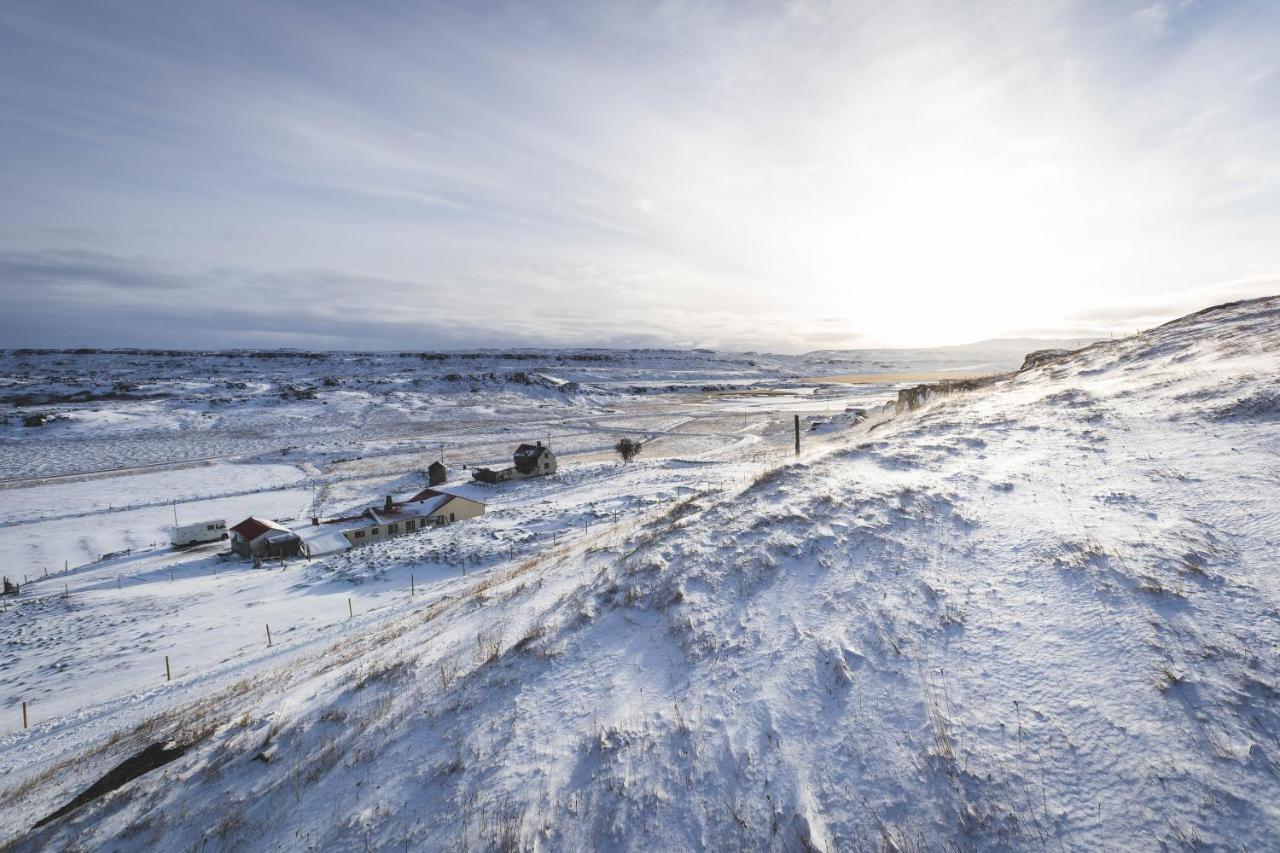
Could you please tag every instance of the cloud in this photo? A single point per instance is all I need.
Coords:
(1153, 20)
(95, 299)
(721, 174)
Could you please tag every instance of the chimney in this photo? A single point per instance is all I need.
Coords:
(386, 507)
(315, 521)
(539, 443)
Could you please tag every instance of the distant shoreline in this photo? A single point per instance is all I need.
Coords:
(886, 378)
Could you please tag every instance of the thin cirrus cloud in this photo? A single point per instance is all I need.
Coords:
(788, 176)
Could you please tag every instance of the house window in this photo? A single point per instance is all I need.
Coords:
(393, 529)
(374, 531)
(359, 534)
(451, 516)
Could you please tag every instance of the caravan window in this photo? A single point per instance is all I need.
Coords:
(359, 534)
(393, 528)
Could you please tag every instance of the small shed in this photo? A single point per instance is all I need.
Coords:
(437, 473)
(261, 537)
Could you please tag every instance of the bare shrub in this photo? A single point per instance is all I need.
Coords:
(446, 674)
(628, 448)
(229, 822)
(489, 645)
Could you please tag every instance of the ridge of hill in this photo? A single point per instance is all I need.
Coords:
(1045, 612)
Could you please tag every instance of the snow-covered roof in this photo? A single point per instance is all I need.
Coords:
(462, 490)
(253, 527)
(319, 539)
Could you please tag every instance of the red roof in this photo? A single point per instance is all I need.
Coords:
(251, 528)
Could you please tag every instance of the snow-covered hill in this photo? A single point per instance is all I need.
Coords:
(1041, 614)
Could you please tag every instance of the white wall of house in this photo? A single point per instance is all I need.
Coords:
(458, 509)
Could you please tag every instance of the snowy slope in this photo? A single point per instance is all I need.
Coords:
(1045, 613)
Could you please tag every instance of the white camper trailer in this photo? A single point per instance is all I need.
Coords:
(194, 534)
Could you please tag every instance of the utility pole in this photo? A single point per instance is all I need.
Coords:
(797, 435)
(175, 513)
(442, 453)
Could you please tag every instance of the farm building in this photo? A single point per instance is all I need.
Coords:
(428, 508)
(529, 460)
(437, 474)
(260, 537)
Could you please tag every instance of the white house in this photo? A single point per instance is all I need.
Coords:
(427, 509)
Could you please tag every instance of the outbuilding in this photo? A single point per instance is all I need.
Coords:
(263, 538)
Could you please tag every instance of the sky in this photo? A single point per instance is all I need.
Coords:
(784, 176)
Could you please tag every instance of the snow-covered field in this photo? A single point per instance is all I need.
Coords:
(1040, 614)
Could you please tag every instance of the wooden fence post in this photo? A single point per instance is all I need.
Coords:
(351, 613)
(411, 590)
(268, 636)
(24, 715)
(118, 582)
(167, 675)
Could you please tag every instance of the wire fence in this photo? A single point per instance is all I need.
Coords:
(462, 552)
(468, 561)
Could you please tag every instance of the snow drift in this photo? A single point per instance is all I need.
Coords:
(1044, 612)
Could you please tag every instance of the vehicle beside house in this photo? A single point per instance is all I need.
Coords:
(529, 460)
(197, 533)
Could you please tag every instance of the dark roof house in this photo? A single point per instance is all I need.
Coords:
(531, 460)
(527, 457)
